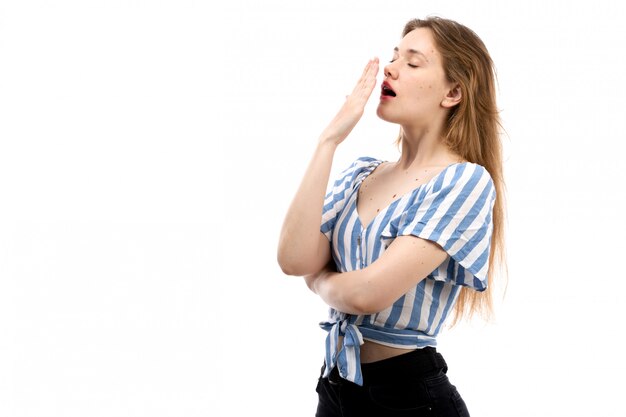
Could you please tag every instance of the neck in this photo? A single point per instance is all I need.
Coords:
(422, 147)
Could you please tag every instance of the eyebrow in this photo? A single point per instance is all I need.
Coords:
(413, 52)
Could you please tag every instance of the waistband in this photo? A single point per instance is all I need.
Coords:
(417, 363)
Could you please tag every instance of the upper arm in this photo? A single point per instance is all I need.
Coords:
(323, 253)
(311, 263)
(402, 266)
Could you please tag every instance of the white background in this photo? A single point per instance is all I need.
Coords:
(149, 150)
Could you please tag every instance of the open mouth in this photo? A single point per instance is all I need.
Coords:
(387, 91)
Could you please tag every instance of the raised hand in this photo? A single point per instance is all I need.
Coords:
(352, 110)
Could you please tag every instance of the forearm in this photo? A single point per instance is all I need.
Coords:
(400, 268)
(346, 292)
(299, 251)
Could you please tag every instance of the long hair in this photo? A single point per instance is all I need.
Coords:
(472, 130)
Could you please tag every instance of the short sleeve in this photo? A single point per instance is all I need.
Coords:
(456, 213)
(340, 192)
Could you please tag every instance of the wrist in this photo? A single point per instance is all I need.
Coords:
(328, 141)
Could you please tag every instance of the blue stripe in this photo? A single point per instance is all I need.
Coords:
(473, 213)
(447, 308)
(396, 310)
(327, 226)
(376, 250)
(458, 173)
(354, 247)
(482, 260)
(456, 205)
(337, 194)
(342, 231)
(434, 307)
(417, 305)
(469, 246)
(440, 195)
(480, 285)
(404, 339)
(451, 268)
(460, 275)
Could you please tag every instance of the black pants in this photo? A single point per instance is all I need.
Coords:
(413, 384)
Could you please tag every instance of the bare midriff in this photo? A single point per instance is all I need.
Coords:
(374, 352)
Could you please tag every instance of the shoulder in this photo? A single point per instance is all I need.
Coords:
(361, 165)
(462, 182)
(366, 161)
(464, 174)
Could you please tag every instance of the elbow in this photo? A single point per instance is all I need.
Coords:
(286, 260)
(291, 266)
(288, 268)
(294, 262)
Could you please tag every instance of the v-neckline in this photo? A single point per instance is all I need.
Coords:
(384, 209)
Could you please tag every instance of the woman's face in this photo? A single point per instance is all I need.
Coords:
(418, 84)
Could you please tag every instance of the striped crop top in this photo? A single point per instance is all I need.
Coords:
(453, 209)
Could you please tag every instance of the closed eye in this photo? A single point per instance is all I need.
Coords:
(410, 65)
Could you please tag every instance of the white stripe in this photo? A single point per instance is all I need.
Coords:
(443, 208)
(347, 241)
(407, 310)
(478, 220)
(371, 241)
(482, 272)
(375, 226)
(443, 299)
(469, 202)
(478, 250)
(429, 285)
(333, 343)
(351, 359)
(381, 318)
(472, 229)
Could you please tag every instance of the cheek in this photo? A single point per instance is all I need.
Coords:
(426, 92)
(426, 87)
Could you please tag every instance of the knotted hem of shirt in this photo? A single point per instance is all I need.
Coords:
(348, 359)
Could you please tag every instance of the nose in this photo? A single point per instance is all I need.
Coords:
(390, 71)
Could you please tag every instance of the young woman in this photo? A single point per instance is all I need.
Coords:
(403, 245)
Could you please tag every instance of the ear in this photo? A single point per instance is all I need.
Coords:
(453, 97)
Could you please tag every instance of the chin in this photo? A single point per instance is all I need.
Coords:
(384, 115)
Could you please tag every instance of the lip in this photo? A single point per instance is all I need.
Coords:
(384, 85)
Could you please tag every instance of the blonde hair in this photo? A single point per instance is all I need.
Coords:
(473, 131)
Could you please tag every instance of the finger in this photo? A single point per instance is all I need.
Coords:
(367, 67)
(366, 71)
(372, 71)
(368, 82)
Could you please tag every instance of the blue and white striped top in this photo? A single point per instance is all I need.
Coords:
(453, 209)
